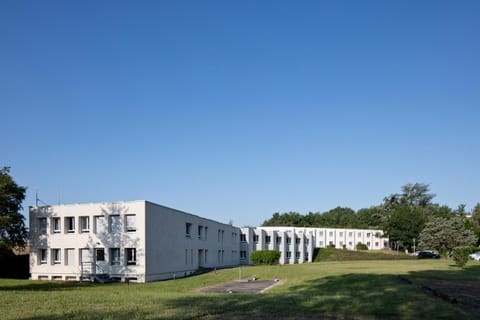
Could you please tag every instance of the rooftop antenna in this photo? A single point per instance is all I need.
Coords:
(37, 200)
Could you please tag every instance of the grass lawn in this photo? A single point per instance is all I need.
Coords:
(341, 289)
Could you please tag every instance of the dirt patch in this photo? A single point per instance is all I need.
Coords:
(241, 286)
(463, 292)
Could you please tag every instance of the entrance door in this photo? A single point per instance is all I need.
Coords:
(86, 260)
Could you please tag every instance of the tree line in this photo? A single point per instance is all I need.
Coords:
(408, 218)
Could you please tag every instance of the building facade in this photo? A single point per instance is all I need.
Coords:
(297, 245)
(143, 241)
(135, 241)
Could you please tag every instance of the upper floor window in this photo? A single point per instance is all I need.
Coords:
(279, 240)
(350, 234)
(100, 224)
(255, 238)
(330, 234)
(42, 225)
(115, 224)
(243, 237)
(268, 239)
(70, 224)
(206, 233)
(289, 240)
(56, 225)
(130, 223)
(85, 224)
(368, 235)
(200, 231)
(321, 234)
(188, 229)
(297, 240)
(341, 234)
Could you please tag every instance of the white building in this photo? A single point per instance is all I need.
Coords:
(297, 245)
(143, 241)
(138, 240)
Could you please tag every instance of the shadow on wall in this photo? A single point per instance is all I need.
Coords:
(115, 236)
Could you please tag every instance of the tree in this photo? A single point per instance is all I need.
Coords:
(445, 234)
(12, 223)
(414, 195)
(404, 223)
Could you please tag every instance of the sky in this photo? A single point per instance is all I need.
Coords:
(235, 110)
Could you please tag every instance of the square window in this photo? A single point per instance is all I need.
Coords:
(255, 238)
(131, 256)
(130, 223)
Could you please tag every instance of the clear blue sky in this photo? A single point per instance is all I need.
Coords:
(234, 110)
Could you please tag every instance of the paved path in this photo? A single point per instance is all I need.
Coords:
(241, 286)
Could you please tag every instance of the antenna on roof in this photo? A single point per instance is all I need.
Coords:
(37, 200)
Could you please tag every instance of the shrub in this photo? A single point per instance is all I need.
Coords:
(265, 257)
(361, 246)
(460, 255)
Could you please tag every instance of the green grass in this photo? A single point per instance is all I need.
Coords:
(332, 254)
(341, 289)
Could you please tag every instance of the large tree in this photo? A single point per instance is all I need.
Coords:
(404, 224)
(12, 223)
(445, 234)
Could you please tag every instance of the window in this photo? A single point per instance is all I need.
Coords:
(243, 255)
(297, 255)
(279, 240)
(268, 239)
(188, 229)
(307, 241)
(368, 235)
(219, 233)
(243, 237)
(330, 234)
(350, 234)
(306, 256)
(115, 256)
(321, 234)
(84, 224)
(131, 256)
(130, 223)
(56, 256)
(341, 234)
(69, 257)
(206, 256)
(100, 224)
(289, 240)
(350, 244)
(56, 225)
(42, 253)
(359, 234)
(200, 231)
(70, 224)
(186, 256)
(42, 225)
(255, 238)
(115, 224)
(99, 254)
(297, 240)
(206, 233)
(320, 243)
(289, 254)
(368, 244)
(376, 244)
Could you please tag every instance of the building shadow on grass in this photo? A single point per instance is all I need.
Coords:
(40, 285)
(370, 296)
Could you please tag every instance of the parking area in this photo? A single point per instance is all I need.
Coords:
(242, 286)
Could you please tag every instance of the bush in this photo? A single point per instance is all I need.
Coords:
(460, 255)
(265, 257)
(361, 246)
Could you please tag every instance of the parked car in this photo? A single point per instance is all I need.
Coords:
(427, 255)
(475, 256)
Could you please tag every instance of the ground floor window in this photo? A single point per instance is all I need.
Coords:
(131, 256)
(243, 255)
(56, 258)
(42, 253)
(114, 256)
(99, 254)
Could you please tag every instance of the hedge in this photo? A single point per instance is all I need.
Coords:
(265, 257)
